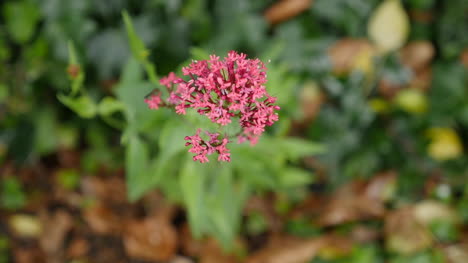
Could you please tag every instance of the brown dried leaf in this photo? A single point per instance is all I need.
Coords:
(457, 253)
(311, 100)
(422, 79)
(350, 203)
(181, 259)
(109, 189)
(285, 9)
(363, 234)
(153, 238)
(288, 250)
(265, 206)
(56, 227)
(335, 246)
(464, 58)
(388, 89)
(345, 52)
(190, 246)
(102, 219)
(78, 248)
(212, 253)
(381, 186)
(28, 255)
(417, 55)
(404, 234)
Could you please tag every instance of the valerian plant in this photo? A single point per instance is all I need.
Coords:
(218, 107)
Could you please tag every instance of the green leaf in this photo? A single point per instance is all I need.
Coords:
(110, 105)
(68, 178)
(77, 78)
(444, 230)
(199, 53)
(131, 91)
(21, 18)
(139, 50)
(294, 148)
(253, 166)
(12, 195)
(192, 183)
(164, 170)
(136, 163)
(137, 46)
(46, 137)
(83, 105)
(294, 177)
(225, 205)
(72, 57)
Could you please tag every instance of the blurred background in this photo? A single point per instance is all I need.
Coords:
(368, 162)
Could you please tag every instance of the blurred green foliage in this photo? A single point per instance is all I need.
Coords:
(114, 61)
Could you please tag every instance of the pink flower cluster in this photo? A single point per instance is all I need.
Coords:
(224, 91)
(202, 148)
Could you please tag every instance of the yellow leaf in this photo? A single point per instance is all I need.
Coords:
(411, 101)
(363, 61)
(379, 105)
(26, 225)
(388, 26)
(445, 144)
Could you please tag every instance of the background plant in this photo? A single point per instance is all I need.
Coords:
(374, 107)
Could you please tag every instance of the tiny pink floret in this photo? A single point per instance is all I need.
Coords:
(154, 101)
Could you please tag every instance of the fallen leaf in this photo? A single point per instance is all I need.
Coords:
(285, 9)
(388, 89)
(288, 250)
(347, 54)
(311, 99)
(265, 206)
(56, 227)
(335, 246)
(381, 187)
(428, 211)
(422, 80)
(102, 219)
(364, 234)
(412, 101)
(181, 259)
(445, 144)
(388, 26)
(464, 58)
(152, 238)
(28, 255)
(417, 55)
(27, 226)
(457, 253)
(404, 234)
(212, 253)
(356, 200)
(79, 247)
(109, 189)
(189, 245)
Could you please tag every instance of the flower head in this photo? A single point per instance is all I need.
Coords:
(225, 91)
